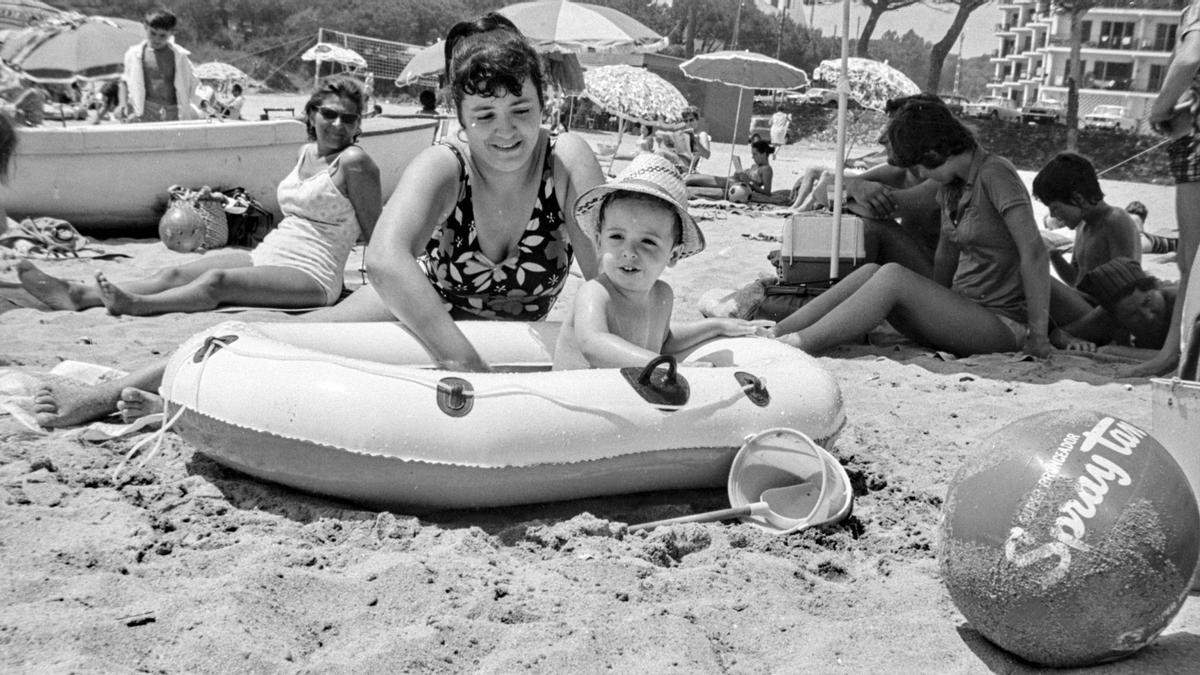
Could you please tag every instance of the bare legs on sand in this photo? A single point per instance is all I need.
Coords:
(196, 286)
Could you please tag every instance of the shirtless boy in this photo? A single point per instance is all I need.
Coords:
(623, 316)
(1068, 186)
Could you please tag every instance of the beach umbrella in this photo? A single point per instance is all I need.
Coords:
(744, 70)
(76, 47)
(871, 82)
(217, 70)
(635, 95)
(22, 13)
(324, 51)
(563, 26)
(562, 68)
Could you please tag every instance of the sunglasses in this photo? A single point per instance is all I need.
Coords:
(329, 115)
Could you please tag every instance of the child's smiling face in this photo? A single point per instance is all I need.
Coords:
(637, 242)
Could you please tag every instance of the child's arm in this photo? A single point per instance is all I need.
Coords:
(684, 336)
(598, 343)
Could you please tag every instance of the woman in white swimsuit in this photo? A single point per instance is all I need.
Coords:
(330, 198)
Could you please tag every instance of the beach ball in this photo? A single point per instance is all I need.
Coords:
(738, 192)
(1070, 538)
(182, 229)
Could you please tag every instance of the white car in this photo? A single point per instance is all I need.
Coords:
(1109, 118)
(994, 107)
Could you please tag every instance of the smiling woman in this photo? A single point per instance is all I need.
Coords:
(480, 225)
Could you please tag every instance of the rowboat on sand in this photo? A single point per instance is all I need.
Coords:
(109, 178)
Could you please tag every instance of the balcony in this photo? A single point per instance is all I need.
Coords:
(1125, 44)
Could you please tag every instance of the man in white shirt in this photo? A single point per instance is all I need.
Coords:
(158, 83)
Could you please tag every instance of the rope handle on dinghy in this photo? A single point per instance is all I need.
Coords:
(211, 345)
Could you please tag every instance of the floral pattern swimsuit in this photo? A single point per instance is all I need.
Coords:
(523, 286)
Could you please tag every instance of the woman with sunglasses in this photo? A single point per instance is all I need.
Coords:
(991, 285)
(329, 199)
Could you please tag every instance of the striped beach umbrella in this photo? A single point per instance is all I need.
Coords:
(563, 26)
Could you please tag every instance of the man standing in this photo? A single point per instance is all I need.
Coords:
(158, 84)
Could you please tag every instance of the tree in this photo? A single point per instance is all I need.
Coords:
(877, 7)
(937, 55)
(1075, 10)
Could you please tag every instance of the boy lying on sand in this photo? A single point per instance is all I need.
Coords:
(1133, 316)
(623, 316)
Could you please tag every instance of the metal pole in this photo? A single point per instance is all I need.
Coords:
(317, 62)
(835, 245)
(958, 64)
(737, 23)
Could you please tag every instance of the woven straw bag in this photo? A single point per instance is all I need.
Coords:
(209, 207)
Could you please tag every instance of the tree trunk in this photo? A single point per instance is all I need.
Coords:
(937, 55)
(864, 40)
(689, 33)
(1075, 76)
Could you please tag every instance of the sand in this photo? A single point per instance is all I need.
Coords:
(194, 568)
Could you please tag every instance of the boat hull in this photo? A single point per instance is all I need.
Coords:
(356, 411)
(115, 177)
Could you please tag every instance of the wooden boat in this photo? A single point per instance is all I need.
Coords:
(113, 177)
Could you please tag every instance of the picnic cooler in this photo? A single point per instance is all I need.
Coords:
(807, 245)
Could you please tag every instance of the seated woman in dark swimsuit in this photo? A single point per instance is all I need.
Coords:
(475, 229)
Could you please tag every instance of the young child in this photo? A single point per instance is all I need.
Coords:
(1068, 186)
(1151, 243)
(623, 316)
(1134, 312)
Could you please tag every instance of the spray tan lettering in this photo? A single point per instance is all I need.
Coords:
(1019, 536)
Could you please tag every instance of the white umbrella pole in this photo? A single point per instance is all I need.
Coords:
(835, 246)
(737, 124)
(620, 133)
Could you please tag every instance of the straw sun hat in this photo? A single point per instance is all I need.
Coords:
(647, 174)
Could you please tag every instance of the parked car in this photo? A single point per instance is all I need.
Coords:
(821, 96)
(994, 107)
(1044, 111)
(955, 103)
(761, 125)
(1109, 118)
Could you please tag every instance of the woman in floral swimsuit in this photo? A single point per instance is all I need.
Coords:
(476, 228)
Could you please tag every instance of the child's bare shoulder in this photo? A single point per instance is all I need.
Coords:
(1117, 218)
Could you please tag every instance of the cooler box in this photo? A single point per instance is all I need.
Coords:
(807, 246)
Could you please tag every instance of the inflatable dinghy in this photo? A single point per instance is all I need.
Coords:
(357, 411)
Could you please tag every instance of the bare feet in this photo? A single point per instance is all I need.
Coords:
(61, 402)
(135, 403)
(55, 292)
(117, 301)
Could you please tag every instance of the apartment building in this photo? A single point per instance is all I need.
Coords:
(1125, 53)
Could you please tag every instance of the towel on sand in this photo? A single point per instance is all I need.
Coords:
(49, 238)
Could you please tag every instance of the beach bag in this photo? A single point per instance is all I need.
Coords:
(248, 221)
(194, 210)
(780, 299)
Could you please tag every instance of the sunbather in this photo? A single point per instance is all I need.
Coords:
(990, 290)
(1132, 318)
(330, 198)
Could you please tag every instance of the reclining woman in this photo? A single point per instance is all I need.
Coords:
(479, 227)
(757, 178)
(991, 285)
(330, 198)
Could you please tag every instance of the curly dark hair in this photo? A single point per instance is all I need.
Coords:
(926, 133)
(341, 86)
(488, 56)
(1066, 174)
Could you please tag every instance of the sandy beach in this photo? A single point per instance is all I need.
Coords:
(190, 567)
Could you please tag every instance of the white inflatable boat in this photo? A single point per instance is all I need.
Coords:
(356, 411)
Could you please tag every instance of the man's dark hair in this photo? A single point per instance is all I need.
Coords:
(1064, 176)
(161, 19)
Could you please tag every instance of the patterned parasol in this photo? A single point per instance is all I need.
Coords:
(216, 70)
(636, 95)
(562, 26)
(324, 51)
(871, 83)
